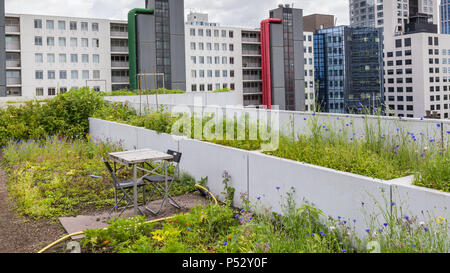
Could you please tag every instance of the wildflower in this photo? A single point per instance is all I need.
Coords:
(426, 229)
(385, 224)
(278, 188)
(448, 132)
(243, 210)
(393, 204)
(259, 198)
(422, 224)
(438, 125)
(236, 216)
(188, 229)
(225, 243)
(344, 250)
(367, 230)
(332, 228)
(324, 235)
(230, 238)
(305, 119)
(312, 234)
(362, 203)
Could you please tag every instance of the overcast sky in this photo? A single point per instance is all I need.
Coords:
(246, 13)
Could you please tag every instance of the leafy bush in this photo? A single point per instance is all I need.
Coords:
(67, 114)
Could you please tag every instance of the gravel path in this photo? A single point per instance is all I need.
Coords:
(21, 235)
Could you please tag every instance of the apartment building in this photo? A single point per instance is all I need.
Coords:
(2, 50)
(213, 55)
(50, 54)
(310, 91)
(418, 76)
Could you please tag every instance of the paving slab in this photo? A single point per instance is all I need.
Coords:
(100, 220)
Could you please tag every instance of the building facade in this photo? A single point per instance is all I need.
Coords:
(348, 68)
(315, 22)
(445, 16)
(46, 55)
(282, 59)
(310, 90)
(2, 50)
(214, 55)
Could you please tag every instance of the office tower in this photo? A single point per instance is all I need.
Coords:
(348, 68)
(282, 59)
(2, 50)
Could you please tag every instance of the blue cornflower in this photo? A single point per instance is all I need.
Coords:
(259, 198)
(362, 203)
(393, 204)
(426, 229)
(323, 235)
(225, 243)
(344, 250)
(385, 224)
(243, 210)
(367, 230)
(236, 216)
(304, 118)
(188, 229)
(438, 125)
(278, 188)
(448, 132)
(312, 234)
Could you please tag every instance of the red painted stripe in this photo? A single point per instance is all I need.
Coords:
(265, 61)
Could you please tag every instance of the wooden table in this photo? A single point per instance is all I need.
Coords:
(135, 157)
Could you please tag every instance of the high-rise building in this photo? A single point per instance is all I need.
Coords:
(445, 16)
(282, 59)
(348, 68)
(160, 44)
(2, 50)
(310, 91)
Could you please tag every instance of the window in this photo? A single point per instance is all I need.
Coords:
(39, 75)
(96, 58)
(50, 58)
(63, 90)
(38, 40)
(73, 25)
(63, 74)
(51, 75)
(50, 24)
(62, 41)
(224, 33)
(51, 91)
(231, 34)
(62, 58)
(192, 31)
(84, 42)
(39, 91)
(85, 58)
(95, 42)
(96, 74)
(73, 42)
(193, 46)
(74, 74)
(50, 41)
(194, 88)
(38, 58)
(74, 58)
(94, 26)
(84, 26)
(62, 25)
(85, 74)
(37, 23)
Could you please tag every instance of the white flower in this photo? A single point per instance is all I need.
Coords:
(332, 228)
(422, 224)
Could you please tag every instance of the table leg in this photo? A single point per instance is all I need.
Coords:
(135, 190)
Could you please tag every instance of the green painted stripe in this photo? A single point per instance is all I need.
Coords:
(132, 44)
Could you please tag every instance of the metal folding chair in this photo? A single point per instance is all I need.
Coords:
(123, 186)
(157, 180)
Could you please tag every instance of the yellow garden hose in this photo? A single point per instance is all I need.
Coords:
(149, 222)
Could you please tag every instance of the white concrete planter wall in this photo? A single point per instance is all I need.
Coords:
(293, 123)
(258, 175)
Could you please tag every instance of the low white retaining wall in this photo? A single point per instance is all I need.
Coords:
(349, 196)
(293, 123)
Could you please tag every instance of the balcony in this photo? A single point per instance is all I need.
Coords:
(251, 52)
(252, 78)
(121, 49)
(120, 64)
(13, 46)
(251, 65)
(120, 79)
(252, 90)
(250, 40)
(12, 28)
(13, 81)
(13, 64)
(119, 34)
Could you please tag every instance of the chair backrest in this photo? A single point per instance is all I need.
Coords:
(111, 172)
(176, 156)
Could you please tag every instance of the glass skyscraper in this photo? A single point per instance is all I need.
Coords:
(445, 16)
(348, 68)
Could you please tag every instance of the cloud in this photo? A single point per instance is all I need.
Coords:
(246, 13)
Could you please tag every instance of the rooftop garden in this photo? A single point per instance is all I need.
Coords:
(50, 160)
(333, 144)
